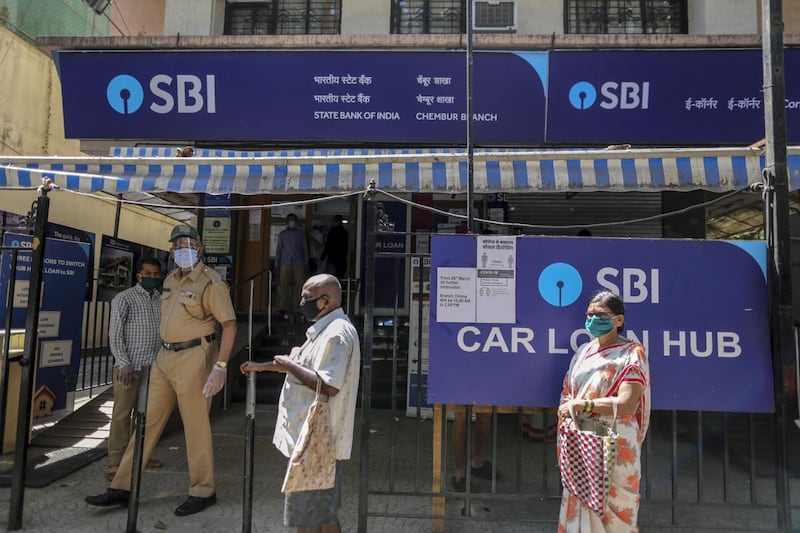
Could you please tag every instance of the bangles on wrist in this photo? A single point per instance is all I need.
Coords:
(588, 406)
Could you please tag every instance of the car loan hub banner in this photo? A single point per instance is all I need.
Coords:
(507, 315)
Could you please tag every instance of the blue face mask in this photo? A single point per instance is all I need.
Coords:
(598, 326)
(185, 257)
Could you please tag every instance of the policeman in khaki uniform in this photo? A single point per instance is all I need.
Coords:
(189, 370)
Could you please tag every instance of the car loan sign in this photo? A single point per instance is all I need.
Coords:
(699, 308)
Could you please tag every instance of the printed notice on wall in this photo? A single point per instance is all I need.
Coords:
(56, 353)
(455, 291)
(49, 323)
(496, 287)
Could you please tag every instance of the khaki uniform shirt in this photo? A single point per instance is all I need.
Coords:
(192, 305)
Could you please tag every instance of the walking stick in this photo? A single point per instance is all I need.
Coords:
(138, 446)
(250, 424)
(249, 449)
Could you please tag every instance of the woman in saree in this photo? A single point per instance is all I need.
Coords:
(609, 370)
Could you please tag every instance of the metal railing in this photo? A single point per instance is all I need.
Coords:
(709, 470)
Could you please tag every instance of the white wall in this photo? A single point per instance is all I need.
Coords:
(543, 17)
(194, 17)
(539, 17)
(715, 17)
(365, 17)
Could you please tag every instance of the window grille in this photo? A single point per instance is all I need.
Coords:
(626, 16)
(283, 17)
(428, 16)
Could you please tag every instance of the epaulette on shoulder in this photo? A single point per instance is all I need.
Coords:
(211, 274)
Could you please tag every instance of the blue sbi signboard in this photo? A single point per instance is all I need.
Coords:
(302, 96)
(561, 97)
(507, 315)
(61, 311)
(663, 96)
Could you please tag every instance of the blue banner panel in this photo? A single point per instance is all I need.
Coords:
(699, 307)
(308, 96)
(60, 314)
(663, 96)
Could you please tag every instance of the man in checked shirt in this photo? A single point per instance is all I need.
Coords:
(135, 341)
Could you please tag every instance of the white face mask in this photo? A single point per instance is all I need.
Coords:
(185, 257)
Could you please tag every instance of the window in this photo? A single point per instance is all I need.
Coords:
(283, 17)
(428, 16)
(626, 16)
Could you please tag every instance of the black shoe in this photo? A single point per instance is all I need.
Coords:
(459, 484)
(195, 504)
(109, 498)
(485, 472)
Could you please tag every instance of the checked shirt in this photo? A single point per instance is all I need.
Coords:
(133, 327)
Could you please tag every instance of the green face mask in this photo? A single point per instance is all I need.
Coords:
(598, 326)
(149, 284)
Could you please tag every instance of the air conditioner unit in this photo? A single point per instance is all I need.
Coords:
(98, 5)
(494, 15)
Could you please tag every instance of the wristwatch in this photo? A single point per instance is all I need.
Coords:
(221, 364)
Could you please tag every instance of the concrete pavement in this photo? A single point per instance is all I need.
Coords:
(61, 507)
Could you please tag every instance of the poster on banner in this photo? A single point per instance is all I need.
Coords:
(61, 310)
(418, 341)
(708, 346)
(119, 262)
(496, 279)
(57, 231)
(455, 300)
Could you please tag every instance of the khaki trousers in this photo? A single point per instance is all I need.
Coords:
(177, 378)
(122, 416)
(291, 280)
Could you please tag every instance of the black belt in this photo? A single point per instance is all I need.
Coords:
(185, 345)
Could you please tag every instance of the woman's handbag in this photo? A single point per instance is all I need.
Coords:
(312, 465)
(587, 457)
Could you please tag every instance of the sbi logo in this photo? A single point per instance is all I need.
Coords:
(126, 95)
(560, 284)
(615, 95)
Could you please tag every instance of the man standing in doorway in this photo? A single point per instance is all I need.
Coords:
(332, 354)
(188, 371)
(291, 260)
(335, 249)
(134, 340)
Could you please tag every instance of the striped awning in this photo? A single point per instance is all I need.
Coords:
(396, 170)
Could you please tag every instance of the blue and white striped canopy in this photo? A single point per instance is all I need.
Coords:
(424, 170)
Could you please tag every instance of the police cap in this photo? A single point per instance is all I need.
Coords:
(183, 230)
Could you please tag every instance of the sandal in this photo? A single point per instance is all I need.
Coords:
(154, 464)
